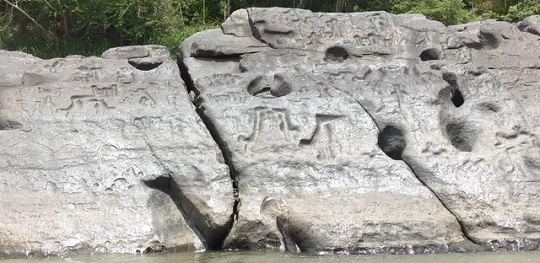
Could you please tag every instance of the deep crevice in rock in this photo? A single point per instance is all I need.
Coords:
(167, 185)
(395, 133)
(161, 183)
(255, 31)
(227, 155)
(361, 105)
(212, 55)
(288, 240)
(461, 224)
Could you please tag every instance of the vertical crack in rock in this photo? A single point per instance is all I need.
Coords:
(167, 185)
(393, 145)
(461, 224)
(361, 105)
(255, 31)
(227, 155)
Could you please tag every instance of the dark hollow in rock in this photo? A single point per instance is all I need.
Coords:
(457, 97)
(9, 124)
(430, 54)
(489, 38)
(460, 136)
(150, 250)
(161, 183)
(490, 107)
(269, 88)
(280, 87)
(144, 66)
(392, 142)
(336, 54)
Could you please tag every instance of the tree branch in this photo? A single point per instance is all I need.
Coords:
(49, 33)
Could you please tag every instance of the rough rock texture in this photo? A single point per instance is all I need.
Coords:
(107, 155)
(370, 132)
(300, 131)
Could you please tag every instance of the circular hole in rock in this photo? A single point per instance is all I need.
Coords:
(430, 54)
(269, 88)
(145, 66)
(392, 142)
(256, 87)
(336, 54)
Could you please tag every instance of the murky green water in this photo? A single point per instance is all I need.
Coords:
(237, 257)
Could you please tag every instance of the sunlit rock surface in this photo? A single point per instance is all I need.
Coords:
(283, 130)
(106, 155)
(369, 132)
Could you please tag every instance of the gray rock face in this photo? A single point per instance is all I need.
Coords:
(100, 155)
(530, 24)
(374, 132)
(237, 24)
(328, 133)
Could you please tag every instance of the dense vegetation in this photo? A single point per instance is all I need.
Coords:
(51, 28)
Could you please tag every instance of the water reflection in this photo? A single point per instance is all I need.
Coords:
(245, 257)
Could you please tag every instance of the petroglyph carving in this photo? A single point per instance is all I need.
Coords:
(231, 96)
(140, 96)
(323, 137)
(85, 104)
(105, 91)
(272, 125)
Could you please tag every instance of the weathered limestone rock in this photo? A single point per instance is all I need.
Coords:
(237, 24)
(374, 132)
(341, 133)
(304, 152)
(100, 155)
(531, 24)
(214, 43)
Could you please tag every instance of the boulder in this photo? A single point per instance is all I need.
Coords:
(237, 24)
(101, 155)
(371, 132)
(530, 24)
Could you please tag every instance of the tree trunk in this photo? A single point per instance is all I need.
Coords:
(46, 31)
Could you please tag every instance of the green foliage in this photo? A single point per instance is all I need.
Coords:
(448, 12)
(522, 9)
(49, 28)
(46, 48)
(89, 27)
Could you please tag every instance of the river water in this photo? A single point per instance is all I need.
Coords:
(245, 257)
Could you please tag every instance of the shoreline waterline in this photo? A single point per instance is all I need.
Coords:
(271, 257)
